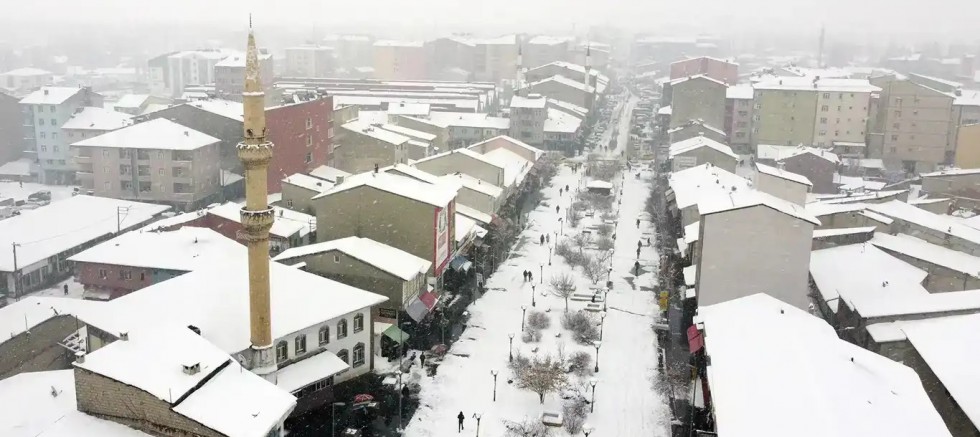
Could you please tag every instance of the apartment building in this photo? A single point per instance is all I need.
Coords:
(310, 61)
(739, 111)
(913, 125)
(352, 50)
(90, 121)
(364, 146)
(157, 161)
(565, 89)
(45, 111)
(191, 67)
(229, 78)
(25, 80)
(399, 60)
(842, 114)
(717, 69)
(698, 98)
(542, 49)
(527, 118)
(11, 128)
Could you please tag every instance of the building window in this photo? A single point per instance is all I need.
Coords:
(55, 148)
(54, 135)
(52, 108)
(824, 108)
(359, 355)
(160, 171)
(309, 158)
(44, 135)
(826, 95)
(823, 120)
(289, 203)
(44, 148)
(40, 122)
(103, 274)
(54, 122)
(359, 323)
(300, 344)
(341, 329)
(309, 123)
(896, 126)
(125, 274)
(61, 162)
(282, 351)
(344, 356)
(105, 153)
(324, 335)
(107, 186)
(894, 137)
(336, 258)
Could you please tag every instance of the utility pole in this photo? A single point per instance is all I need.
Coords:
(119, 211)
(15, 275)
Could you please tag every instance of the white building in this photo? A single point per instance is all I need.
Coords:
(309, 61)
(687, 187)
(192, 67)
(702, 150)
(24, 80)
(45, 111)
(783, 184)
(91, 121)
(753, 242)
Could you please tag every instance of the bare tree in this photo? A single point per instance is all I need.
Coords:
(564, 286)
(605, 244)
(594, 269)
(542, 376)
(574, 412)
(527, 428)
(581, 240)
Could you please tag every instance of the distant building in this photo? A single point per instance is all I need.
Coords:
(11, 128)
(542, 49)
(399, 60)
(698, 98)
(739, 117)
(913, 125)
(527, 118)
(24, 80)
(817, 165)
(45, 111)
(90, 121)
(717, 69)
(702, 150)
(310, 61)
(365, 146)
(191, 67)
(783, 184)
(694, 129)
(229, 78)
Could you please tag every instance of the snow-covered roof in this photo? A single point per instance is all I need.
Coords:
(783, 174)
(513, 144)
(438, 196)
(158, 133)
(403, 108)
(287, 222)
(409, 171)
(45, 232)
(568, 108)
(928, 201)
(474, 214)
(394, 261)
(28, 312)
(27, 71)
(665, 110)
(299, 300)
(779, 153)
(309, 370)
(561, 122)
(697, 143)
(820, 209)
(818, 85)
(308, 182)
(412, 133)
(550, 40)
(40, 404)
(690, 275)
(928, 252)
(681, 80)
(397, 43)
(863, 197)
(692, 232)
(599, 185)
(225, 108)
(949, 346)
(514, 165)
(952, 172)
(469, 119)
(50, 95)
(689, 185)
(466, 225)
(764, 385)
(375, 132)
(92, 118)
(472, 183)
(697, 123)
(183, 249)
(534, 101)
(328, 173)
(944, 224)
(738, 199)
(740, 92)
(131, 101)
(237, 60)
(220, 396)
(824, 233)
(569, 82)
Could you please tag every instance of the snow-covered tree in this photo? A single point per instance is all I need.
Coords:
(541, 375)
(564, 286)
(594, 269)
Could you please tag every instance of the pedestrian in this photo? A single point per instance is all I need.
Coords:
(566, 187)
(547, 238)
(636, 268)
(422, 358)
(525, 276)
(22, 184)
(542, 239)
(637, 253)
(639, 244)
(405, 392)
(66, 289)
(559, 192)
(460, 418)
(530, 276)
(557, 209)
(637, 223)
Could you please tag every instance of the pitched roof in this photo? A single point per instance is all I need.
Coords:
(158, 133)
(308, 182)
(389, 259)
(92, 118)
(931, 253)
(738, 199)
(51, 95)
(375, 132)
(438, 196)
(697, 143)
(184, 249)
(286, 224)
(912, 214)
(783, 174)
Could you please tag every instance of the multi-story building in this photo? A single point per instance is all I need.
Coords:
(158, 71)
(913, 125)
(90, 122)
(842, 111)
(527, 118)
(698, 98)
(192, 67)
(565, 89)
(25, 80)
(495, 59)
(352, 50)
(399, 60)
(364, 146)
(717, 69)
(466, 128)
(156, 161)
(543, 49)
(229, 78)
(310, 61)
(45, 111)
(11, 128)
(739, 110)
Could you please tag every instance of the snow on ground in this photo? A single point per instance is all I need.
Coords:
(20, 191)
(75, 291)
(626, 403)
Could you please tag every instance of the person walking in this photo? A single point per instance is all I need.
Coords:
(637, 223)
(541, 240)
(422, 361)
(530, 275)
(547, 238)
(557, 209)
(637, 253)
(460, 418)
(559, 191)
(525, 276)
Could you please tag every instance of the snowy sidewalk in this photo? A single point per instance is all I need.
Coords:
(626, 403)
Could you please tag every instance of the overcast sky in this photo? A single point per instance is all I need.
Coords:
(952, 18)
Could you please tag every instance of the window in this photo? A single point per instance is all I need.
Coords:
(896, 126)
(54, 135)
(341, 329)
(826, 95)
(49, 161)
(125, 169)
(336, 258)
(359, 323)
(160, 171)
(281, 351)
(54, 122)
(40, 122)
(61, 162)
(824, 108)
(324, 335)
(40, 108)
(105, 153)
(44, 135)
(145, 186)
(51, 108)
(142, 276)
(105, 169)
(44, 148)
(309, 158)
(106, 185)
(54, 148)
(823, 120)
(125, 274)
(103, 274)
(289, 203)
(309, 123)
(343, 355)
(309, 140)
(359, 355)
(739, 134)
(894, 137)
(300, 344)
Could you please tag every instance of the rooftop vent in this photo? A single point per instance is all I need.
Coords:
(124, 336)
(46, 92)
(192, 369)
(80, 357)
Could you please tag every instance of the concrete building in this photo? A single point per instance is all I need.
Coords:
(698, 98)
(494, 59)
(136, 104)
(542, 49)
(527, 117)
(11, 128)
(156, 161)
(45, 111)
(399, 60)
(377, 95)
(24, 80)
(956, 182)
(43, 248)
(298, 189)
(310, 61)
(405, 214)
(702, 150)
(783, 184)
(739, 116)
(694, 129)
(569, 70)
(737, 241)
(968, 146)
(947, 269)
(291, 228)
(913, 125)
(937, 229)
(365, 146)
(229, 78)
(90, 121)
(370, 265)
(464, 129)
(717, 69)
(817, 165)
(563, 88)
(191, 67)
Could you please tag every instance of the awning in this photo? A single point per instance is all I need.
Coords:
(421, 305)
(307, 371)
(460, 264)
(396, 334)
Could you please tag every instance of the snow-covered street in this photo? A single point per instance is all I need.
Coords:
(626, 403)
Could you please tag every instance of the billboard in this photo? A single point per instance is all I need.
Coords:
(442, 240)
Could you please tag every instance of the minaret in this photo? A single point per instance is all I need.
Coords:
(520, 69)
(255, 152)
(588, 77)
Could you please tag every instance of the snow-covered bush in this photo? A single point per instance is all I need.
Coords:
(542, 375)
(531, 335)
(582, 325)
(580, 363)
(538, 320)
(574, 411)
(527, 428)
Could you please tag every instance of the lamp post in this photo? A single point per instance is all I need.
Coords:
(602, 323)
(592, 382)
(524, 314)
(511, 337)
(494, 373)
(609, 274)
(587, 429)
(561, 229)
(541, 275)
(333, 417)
(605, 299)
(533, 303)
(597, 344)
(477, 416)
(549, 254)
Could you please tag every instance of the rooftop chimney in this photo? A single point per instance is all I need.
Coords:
(192, 369)
(340, 180)
(375, 168)
(124, 336)
(46, 91)
(80, 357)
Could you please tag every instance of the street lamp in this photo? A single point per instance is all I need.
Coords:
(605, 299)
(562, 228)
(587, 429)
(333, 417)
(511, 336)
(478, 416)
(524, 314)
(609, 274)
(533, 303)
(597, 344)
(602, 323)
(542, 273)
(494, 373)
(592, 382)
(549, 254)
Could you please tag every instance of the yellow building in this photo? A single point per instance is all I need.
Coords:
(968, 146)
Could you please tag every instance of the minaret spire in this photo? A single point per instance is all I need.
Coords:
(520, 68)
(255, 152)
